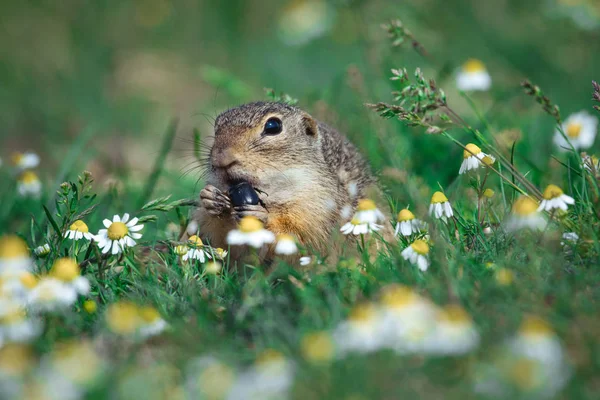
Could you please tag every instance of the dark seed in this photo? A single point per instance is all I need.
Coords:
(242, 194)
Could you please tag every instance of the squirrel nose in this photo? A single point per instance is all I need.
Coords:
(223, 159)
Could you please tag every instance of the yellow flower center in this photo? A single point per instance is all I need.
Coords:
(471, 150)
(285, 238)
(487, 160)
(552, 192)
(65, 269)
(317, 347)
(90, 306)
(355, 221)
(149, 314)
(438, 197)
(123, 318)
(79, 226)
(398, 296)
(421, 247)
(13, 316)
(525, 206)
(269, 356)
(28, 280)
(13, 247)
(523, 373)
(533, 325)
(473, 65)
(504, 276)
(181, 250)
(250, 224)
(215, 381)
(489, 193)
(16, 158)
(574, 130)
(366, 205)
(28, 177)
(195, 242)
(405, 215)
(117, 230)
(454, 313)
(362, 313)
(219, 252)
(15, 359)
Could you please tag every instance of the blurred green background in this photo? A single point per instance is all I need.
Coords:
(94, 84)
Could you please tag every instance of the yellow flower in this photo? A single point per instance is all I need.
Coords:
(525, 215)
(440, 206)
(504, 276)
(78, 230)
(473, 76)
(408, 224)
(418, 254)
(554, 198)
(250, 232)
(473, 158)
(317, 347)
(90, 306)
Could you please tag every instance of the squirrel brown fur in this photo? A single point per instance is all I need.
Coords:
(309, 175)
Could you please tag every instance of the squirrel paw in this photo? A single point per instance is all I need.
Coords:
(214, 201)
(250, 210)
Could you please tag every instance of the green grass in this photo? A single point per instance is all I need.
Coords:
(125, 103)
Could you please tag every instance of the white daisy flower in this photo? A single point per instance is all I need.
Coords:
(418, 254)
(271, 377)
(217, 253)
(453, 334)
(51, 294)
(525, 214)
(533, 361)
(440, 207)
(474, 158)
(286, 245)
(196, 251)
(250, 232)
(553, 198)
(14, 324)
(78, 230)
(42, 251)
(14, 255)
(580, 128)
(209, 378)
(67, 270)
(365, 220)
(305, 260)
(473, 76)
(305, 20)
(361, 332)
(408, 224)
(24, 161)
(152, 323)
(29, 185)
(407, 319)
(16, 285)
(119, 234)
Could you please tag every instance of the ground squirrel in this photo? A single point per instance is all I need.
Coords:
(309, 176)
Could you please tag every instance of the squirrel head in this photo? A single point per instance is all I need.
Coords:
(262, 142)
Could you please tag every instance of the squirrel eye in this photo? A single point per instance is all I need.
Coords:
(273, 126)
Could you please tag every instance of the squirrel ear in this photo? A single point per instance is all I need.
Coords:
(310, 125)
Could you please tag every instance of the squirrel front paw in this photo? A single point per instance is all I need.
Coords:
(214, 201)
(250, 210)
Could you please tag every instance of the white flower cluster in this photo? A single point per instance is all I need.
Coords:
(407, 323)
(270, 377)
(532, 362)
